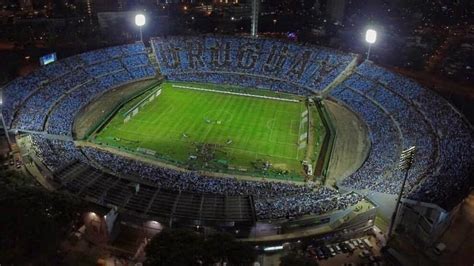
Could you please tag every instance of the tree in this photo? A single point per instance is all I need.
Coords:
(186, 247)
(217, 247)
(175, 247)
(222, 247)
(294, 258)
(33, 222)
(241, 253)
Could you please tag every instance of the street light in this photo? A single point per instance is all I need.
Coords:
(370, 37)
(406, 161)
(140, 21)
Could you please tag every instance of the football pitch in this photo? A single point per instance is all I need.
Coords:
(214, 130)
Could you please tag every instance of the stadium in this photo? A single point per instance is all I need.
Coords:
(256, 136)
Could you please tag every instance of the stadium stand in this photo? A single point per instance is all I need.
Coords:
(53, 95)
(399, 113)
(310, 67)
(73, 168)
(56, 154)
(444, 139)
(84, 180)
(273, 199)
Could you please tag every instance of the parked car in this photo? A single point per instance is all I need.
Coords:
(337, 248)
(367, 243)
(351, 247)
(354, 242)
(344, 247)
(439, 248)
(366, 253)
(320, 254)
(326, 251)
(332, 251)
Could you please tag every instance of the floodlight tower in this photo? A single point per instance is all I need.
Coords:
(3, 121)
(370, 37)
(406, 161)
(255, 12)
(140, 21)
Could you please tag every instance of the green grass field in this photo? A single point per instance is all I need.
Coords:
(240, 132)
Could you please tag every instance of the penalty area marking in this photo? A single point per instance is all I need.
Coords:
(236, 93)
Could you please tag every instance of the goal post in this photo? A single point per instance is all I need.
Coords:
(304, 128)
(136, 108)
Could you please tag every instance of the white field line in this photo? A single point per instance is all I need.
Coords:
(298, 142)
(237, 93)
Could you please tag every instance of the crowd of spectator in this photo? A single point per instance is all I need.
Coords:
(384, 138)
(320, 201)
(400, 114)
(306, 66)
(246, 81)
(273, 200)
(34, 110)
(189, 181)
(50, 97)
(17, 91)
(54, 153)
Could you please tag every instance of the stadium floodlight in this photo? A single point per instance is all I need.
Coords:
(140, 21)
(371, 38)
(405, 163)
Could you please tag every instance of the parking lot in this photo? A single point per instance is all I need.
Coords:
(364, 250)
